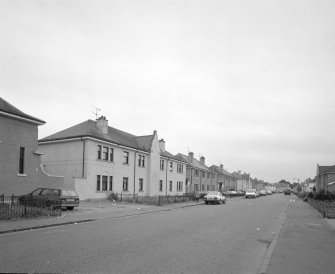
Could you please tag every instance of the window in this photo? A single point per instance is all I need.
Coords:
(179, 168)
(104, 183)
(98, 182)
(207, 187)
(140, 184)
(126, 157)
(141, 159)
(170, 186)
(203, 174)
(21, 161)
(196, 173)
(196, 187)
(208, 175)
(171, 166)
(99, 152)
(162, 164)
(110, 183)
(203, 187)
(179, 186)
(125, 183)
(111, 154)
(105, 153)
(160, 185)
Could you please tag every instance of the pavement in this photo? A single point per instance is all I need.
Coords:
(88, 211)
(306, 242)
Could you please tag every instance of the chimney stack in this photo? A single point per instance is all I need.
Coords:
(190, 156)
(102, 124)
(202, 160)
(221, 167)
(162, 145)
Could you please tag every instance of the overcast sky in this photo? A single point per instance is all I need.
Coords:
(247, 84)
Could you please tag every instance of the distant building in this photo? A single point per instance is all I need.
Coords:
(225, 180)
(242, 181)
(198, 176)
(325, 178)
(20, 160)
(97, 159)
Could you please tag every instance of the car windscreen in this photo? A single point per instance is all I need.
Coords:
(213, 193)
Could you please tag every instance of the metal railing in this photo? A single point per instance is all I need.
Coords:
(12, 208)
(327, 209)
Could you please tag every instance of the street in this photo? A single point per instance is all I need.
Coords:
(229, 238)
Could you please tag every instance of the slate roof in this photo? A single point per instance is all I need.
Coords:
(195, 164)
(116, 136)
(10, 109)
(326, 169)
(217, 169)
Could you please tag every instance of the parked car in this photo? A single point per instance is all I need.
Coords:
(214, 197)
(262, 192)
(250, 193)
(268, 192)
(68, 199)
(287, 192)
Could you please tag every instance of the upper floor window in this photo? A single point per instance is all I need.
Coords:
(126, 157)
(99, 152)
(196, 173)
(208, 175)
(203, 174)
(180, 168)
(162, 164)
(141, 160)
(21, 160)
(105, 153)
(171, 166)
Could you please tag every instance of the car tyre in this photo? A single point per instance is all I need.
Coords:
(206, 203)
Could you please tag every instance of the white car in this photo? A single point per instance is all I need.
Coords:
(214, 197)
(250, 193)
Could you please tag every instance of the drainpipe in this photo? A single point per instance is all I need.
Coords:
(135, 171)
(166, 176)
(83, 165)
(191, 183)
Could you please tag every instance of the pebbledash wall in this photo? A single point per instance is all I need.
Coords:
(93, 177)
(20, 133)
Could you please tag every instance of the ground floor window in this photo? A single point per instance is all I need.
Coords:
(179, 186)
(207, 187)
(196, 187)
(125, 183)
(140, 184)
(110, 183)
(203, 187)
(160, 185)
(103, 183)
(170, 186)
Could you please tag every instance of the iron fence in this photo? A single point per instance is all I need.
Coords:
(150, 200)
(327, 209)
(12, 208)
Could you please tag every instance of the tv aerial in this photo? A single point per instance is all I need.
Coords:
(96, 112)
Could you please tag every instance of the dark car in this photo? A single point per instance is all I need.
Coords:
(287, 192)
(68, 199)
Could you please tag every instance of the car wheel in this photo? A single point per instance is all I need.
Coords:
(206, 203)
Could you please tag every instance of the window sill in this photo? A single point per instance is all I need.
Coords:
(21, 175)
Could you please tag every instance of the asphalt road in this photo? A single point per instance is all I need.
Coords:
(228, 238)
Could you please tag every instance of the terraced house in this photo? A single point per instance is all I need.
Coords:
(20, 160)
(96, 159)
(225, 180)
(198, 176)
